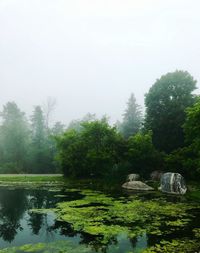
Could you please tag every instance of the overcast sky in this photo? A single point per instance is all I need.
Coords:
(91, 54)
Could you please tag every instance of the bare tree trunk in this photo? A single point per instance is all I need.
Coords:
(48, 108)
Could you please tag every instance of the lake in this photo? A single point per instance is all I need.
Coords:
(61, 219)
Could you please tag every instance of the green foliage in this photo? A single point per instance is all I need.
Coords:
(99, 150)
(57, 129)
(132, 118)
(10, 167)
(142, 155)
(14, 138)
(183, 161)
(77, 124)
(187, 160)
(165, 103)
(92, 151)
(38, 127)
(192, 125)
(42, 149)
(26, 147)
(91, 147)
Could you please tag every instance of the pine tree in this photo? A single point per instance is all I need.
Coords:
(131, 118)
(43, 146)
(38, 128)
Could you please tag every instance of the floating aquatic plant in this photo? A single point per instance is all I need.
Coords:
(55, 247)
(175, 246)
(100, 215)
(101, 219)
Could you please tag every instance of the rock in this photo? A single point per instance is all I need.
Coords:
(137, 186)
(173, 183)
(156, 175)
(132, 177)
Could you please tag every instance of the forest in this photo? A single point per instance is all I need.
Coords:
(165, 136)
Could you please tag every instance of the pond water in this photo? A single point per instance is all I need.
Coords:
(18, 225)
(92, 221)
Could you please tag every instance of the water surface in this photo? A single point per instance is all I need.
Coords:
(20, 225)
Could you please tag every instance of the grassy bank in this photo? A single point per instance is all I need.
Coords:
(58, 179)
(12, 179)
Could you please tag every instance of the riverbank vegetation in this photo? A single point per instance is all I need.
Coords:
(165, 138)
(21, 179)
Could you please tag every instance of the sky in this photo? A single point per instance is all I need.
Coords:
(90, 55)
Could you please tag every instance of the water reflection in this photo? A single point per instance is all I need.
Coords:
(18, 225)
(12, 207)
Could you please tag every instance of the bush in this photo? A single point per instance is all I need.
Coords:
(93, 151)
(10, 168)
(143, 156)
(187, 160)
(98, 151)
(184, 161)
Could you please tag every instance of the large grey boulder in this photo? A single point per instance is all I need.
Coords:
(137, 186)
(132, 177)
(173, 183)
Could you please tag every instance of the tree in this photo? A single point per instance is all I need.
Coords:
(38, 140)
(77, 124)
(42, 147)
(48, 109)
(192, 124)
(13, 206)
(165, 103)
(131, 119)
(190, 155)
(57, 129)
(71, 153)
(38, 128)
(93, 151)
(142, 155)
(14, 134)
(184, 161)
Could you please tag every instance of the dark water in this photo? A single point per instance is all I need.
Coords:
(19, 226)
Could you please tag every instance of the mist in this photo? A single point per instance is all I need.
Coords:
(90, 55)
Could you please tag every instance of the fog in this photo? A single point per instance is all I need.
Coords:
(91, 54)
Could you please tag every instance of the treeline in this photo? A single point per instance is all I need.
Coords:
(27, 146)
(166, 138)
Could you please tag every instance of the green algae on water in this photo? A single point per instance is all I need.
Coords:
(175, 246)
(105, 216)
(55, 247)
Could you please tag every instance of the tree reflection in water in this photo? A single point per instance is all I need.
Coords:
(12, 207)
